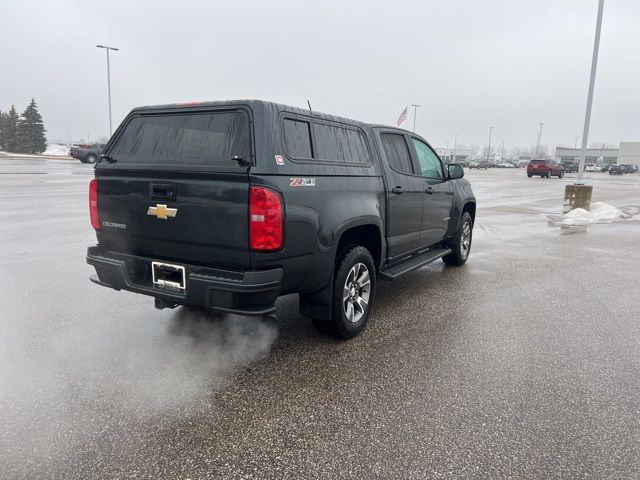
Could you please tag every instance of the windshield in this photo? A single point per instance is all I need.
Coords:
(211, 138)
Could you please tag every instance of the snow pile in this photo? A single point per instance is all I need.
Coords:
(600, 213)
(56, 149)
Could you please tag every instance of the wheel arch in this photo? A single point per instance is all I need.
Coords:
(368, 235)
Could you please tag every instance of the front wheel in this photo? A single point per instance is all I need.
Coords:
(354, 288)
(91, 158)
(461, 243)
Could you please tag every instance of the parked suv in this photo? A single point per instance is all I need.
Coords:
(227, 205)
(88, 153)
(544, 168)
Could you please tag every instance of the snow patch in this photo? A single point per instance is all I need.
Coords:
(56, 149)
(600, 213)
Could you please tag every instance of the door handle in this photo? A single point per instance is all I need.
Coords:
(397, 190)
(163, 191)
(428, 190)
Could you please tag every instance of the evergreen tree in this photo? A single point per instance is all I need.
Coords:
(9, 130)
(30, 131)
(2, 115)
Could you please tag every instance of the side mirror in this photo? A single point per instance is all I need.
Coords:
(455, 171)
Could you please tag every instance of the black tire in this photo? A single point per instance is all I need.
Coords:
(529, 175)
(459, 253)
(561, 175)
(341, 325)
(91, 158)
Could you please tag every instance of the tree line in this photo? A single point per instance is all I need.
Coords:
(22, 133)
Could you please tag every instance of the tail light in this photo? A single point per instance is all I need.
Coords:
(265, 219)
(93, 204)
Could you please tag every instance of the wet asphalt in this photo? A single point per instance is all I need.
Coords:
(524, 363)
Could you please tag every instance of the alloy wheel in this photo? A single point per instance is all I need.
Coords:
(356, 292)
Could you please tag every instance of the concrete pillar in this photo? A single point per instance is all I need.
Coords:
(577, 196)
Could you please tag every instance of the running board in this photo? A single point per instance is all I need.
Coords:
(391, 273)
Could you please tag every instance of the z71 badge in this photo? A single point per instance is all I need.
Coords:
(302, 182)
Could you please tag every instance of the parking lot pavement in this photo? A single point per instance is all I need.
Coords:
(522, 364)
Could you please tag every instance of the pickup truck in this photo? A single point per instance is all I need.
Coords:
(228, 205)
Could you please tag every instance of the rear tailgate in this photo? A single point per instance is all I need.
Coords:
(175, 192)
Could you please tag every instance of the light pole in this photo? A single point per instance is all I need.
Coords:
(455, 147)
(592, 80)
(489, 149)
(539, 137)
(109, 83)
(415, 112)
(502, 151)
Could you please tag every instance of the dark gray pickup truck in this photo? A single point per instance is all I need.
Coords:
(228, 205)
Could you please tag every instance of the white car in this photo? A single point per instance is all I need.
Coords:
(591, 168)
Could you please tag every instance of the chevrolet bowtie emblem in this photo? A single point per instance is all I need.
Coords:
(162, 212)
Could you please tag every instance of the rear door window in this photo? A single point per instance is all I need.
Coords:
(397, 152)
(203, 139)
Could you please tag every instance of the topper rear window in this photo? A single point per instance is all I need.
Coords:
(211, 138)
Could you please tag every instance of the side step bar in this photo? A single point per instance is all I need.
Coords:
(390, 273)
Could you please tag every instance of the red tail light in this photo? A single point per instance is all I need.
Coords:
(93, 204)
(265, 219)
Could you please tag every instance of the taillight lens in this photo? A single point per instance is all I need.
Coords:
(93, 204)
(265, 219)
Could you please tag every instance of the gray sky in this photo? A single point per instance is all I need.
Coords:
(470, 64)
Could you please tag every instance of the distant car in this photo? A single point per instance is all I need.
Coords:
(545, 169)
(87, 153)
(477, 165)
(617, 170)
(605, 168)
(591, 167)
(569, 166)
(629, 168)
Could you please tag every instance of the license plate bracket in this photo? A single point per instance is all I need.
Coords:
(168, 275)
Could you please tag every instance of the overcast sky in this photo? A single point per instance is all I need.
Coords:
(469, 64)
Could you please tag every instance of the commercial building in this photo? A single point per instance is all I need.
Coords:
(593, 155)
(446, 154)
(629, 153)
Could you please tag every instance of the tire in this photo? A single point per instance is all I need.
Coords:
(354, 288)
(91, 158)
(460, 245)
(561, 175)
(529, 175)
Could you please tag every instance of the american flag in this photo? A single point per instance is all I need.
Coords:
(402, 118)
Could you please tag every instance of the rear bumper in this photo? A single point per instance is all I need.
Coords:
(243, 293)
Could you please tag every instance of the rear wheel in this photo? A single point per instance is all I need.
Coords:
(91, 158)
(354, 287)
(529, 175)
(461, 243)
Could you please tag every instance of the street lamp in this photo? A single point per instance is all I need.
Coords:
(489, 149)
(592, 80)
(539, 137)
(415, 112)
(109, 83)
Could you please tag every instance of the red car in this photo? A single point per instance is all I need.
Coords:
(544, 168)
